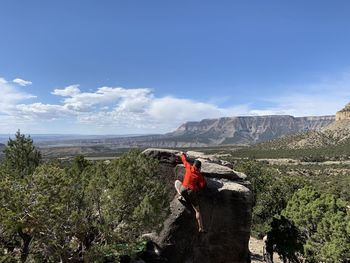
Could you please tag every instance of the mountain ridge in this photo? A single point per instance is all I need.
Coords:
(241, 130)
(248, 129)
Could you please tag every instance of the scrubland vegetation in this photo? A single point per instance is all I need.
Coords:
(96, 211)
(303, 209)
(320, 154)
(81, 212)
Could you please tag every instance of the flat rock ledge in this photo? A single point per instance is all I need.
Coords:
(226, 206)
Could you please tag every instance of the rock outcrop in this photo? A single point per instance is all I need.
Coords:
(226, 209)
(343, 114)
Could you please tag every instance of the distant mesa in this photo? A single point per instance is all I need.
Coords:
(343, 114)
(247, 129)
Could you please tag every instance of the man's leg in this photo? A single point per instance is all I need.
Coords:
(269, 253)
(193, 196)
(178, 187)
(199, 218)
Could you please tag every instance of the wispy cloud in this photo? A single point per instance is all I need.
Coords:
(312, 99)
(11, 96)
(123, 99)
(22, 82)
(40, 111)
(69, 91)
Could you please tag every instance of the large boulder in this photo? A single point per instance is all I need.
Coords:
(226, 206)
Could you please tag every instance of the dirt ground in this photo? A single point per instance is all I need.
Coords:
(256, 250)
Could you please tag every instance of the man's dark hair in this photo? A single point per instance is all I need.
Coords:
(197, 164)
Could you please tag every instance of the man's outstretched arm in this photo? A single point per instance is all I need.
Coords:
(184, 160)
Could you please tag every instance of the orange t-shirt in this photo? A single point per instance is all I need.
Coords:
(193, 179)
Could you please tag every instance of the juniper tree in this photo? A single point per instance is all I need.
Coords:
(21, 155)
(325, 221)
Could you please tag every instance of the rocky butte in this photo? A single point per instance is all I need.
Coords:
(343, 114)
(340, 128)
(226, 207)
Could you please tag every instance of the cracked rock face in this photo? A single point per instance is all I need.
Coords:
(226, 206)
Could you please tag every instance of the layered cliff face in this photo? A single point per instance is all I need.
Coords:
(226, 206)
(336, 133)
(245, 130)
(343, 114)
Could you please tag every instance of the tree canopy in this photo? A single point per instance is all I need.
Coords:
(325, 221)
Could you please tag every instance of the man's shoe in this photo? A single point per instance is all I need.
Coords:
(180, 198)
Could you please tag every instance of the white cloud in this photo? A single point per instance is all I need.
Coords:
(10, 120)
(3, 81)
(170, 109)
(22, 82)
(117, 110)
(69, 91)
(125, 99)
(308, 105)
(126, 109)
(11, 96)
(273, 111)
(43, 111)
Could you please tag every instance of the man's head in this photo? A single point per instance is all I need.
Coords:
(197, 164)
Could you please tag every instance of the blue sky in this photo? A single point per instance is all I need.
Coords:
(121, 67)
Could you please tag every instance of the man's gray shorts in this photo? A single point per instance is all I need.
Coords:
(188, 194)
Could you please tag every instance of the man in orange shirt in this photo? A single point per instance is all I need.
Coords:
(192, 183)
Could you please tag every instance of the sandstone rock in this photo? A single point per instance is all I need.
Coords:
(164, 155)
(343, 114)
(214, 167)
(226, 206)
(213, 158)
(226, 209)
